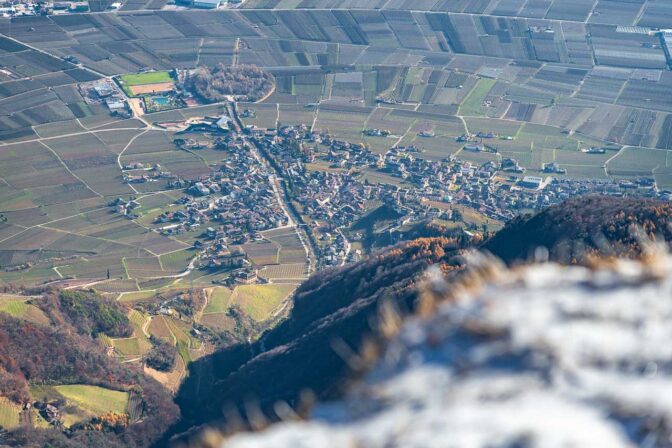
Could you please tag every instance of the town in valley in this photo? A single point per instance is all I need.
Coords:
(194, 162)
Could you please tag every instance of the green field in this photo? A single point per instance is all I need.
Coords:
(94, 399)
(259, 301)
(138, 320)
(23, 310)
(218, 300)
(127, 347)
(82, 401)
(134, 346)
(146, 78)
(9, 414)
(472, 105)
(136, 296)
(176, 261)
(181, 333)
(214, 315)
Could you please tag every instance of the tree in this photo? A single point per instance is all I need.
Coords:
(88, 312)
(216, 83)
(162, 356)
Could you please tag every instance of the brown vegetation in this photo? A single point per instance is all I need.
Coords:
(162, 355)
(65, 353)
(336, 306)
(339, 312)
(579, 228)
(216, 83)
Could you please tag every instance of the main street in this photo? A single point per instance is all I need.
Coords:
(280, 188)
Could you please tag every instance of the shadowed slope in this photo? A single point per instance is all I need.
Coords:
(335, 308)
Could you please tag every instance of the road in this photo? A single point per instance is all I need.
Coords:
(280, 189)
(348, 246)
(281, 195)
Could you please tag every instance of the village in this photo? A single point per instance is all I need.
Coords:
(423, 190)
(228, 208)
(22, 8)
(310, 181)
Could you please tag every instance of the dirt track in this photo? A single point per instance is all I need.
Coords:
(152, 88)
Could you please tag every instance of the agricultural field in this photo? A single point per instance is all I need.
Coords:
(262, 115)
(20, 308)
(178, 333)
(548, 78)
(135, 296)
(171, 380)
(85, 239)
(288, 271)
(82, 401)
(473, 104)
(9, 414)
(219, 300)
(147, 83)
(136, 346)
(94, 399)
(262, 253)
(291, 249)
(215, 314)
(260, 301)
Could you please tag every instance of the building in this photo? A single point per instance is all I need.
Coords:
(247, 277)
(207, 4)
(103, 89)
(531, 182)
(666, 37)
(115, 105)
(553, 167)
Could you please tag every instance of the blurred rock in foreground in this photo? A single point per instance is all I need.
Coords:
(538, 356)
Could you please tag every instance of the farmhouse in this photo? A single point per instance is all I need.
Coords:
(247, 277)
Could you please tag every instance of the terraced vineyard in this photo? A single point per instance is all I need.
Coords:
(553, 81)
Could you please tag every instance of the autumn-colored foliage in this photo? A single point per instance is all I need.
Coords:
(216, 83)
(579, 228)
(340, 304)
(57, 355)
(110, 422)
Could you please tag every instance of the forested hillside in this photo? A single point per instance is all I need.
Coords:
(584, 226)
(46, 361)
(334, 310)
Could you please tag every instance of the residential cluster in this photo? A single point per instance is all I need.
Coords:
(229, 208)
(269, 176)
(139, 173)
(333, 200)
(238, 199)
(20, 8)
